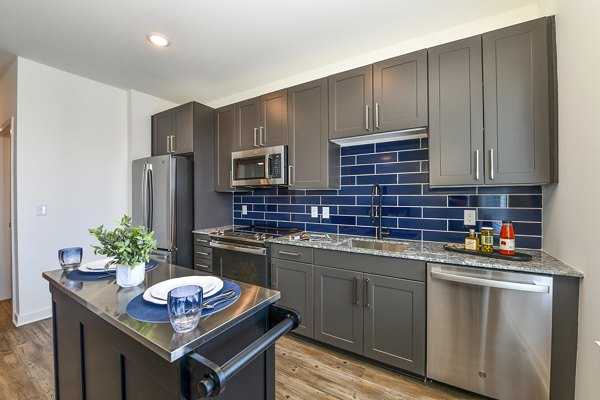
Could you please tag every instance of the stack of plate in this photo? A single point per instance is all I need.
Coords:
(158, 293)
(97, 266)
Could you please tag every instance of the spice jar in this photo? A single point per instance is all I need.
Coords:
(507, 239)
(487, 240)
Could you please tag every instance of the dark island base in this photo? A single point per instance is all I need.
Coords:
(94, 360)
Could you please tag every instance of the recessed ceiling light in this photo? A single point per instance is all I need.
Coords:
(158, 39)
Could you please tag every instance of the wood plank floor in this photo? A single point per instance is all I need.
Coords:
(304, 370)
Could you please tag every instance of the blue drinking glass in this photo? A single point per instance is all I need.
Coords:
(70, 258)
(185, 305)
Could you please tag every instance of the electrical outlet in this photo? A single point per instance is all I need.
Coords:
(470, 217)
(244, 209)
(314, 212)
(325, 212)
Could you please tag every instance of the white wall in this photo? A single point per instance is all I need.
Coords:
(8, 109)
(71, 155)
(141, 107)
(572, 208)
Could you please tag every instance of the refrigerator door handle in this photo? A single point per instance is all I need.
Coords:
(172, 200)
(144, 199)
(150, 200)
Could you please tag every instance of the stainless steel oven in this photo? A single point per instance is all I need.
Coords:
(246, 263)
(263, 166)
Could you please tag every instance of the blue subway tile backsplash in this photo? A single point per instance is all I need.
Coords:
(411, 209)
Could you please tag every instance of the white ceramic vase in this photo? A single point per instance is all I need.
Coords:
(128, 277)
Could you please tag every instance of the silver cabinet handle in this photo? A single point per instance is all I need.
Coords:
(491, 163)
(231, 179)
(173, 143)
(289, 253)
(255, 131)
(168, 144)
(377, 115)
(202, 241)
(366, 116)
(524, 287)
(202, 266)
(261, 132)
(367, 304)
(291, 175)
(202, 253)
(477, 164)
(355, 290)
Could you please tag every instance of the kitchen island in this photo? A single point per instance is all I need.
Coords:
(100, 352)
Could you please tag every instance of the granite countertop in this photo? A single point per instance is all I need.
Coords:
(541, 263)
(109, 301)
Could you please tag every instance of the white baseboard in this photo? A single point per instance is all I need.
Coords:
(20, 320)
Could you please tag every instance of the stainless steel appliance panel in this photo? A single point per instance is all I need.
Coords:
(241, 262)
(489, 331)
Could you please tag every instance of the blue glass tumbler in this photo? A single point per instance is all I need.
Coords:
(185, 306)
(70, 258)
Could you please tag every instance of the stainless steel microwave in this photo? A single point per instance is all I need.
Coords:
(264, 166)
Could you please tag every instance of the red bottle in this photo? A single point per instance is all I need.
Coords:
(507, 239)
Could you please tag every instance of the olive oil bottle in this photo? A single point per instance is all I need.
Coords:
(472, 241)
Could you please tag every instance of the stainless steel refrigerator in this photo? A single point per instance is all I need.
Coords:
(163, 201)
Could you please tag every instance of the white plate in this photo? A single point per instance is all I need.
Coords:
(212, 283)
(97, 266)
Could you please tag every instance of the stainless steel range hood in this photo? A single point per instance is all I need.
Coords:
(382, 137)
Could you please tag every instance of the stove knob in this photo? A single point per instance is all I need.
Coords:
(257, 236)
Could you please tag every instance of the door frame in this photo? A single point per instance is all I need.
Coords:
(10, 124)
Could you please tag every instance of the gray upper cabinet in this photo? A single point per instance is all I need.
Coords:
(338, 314)
(503, 134)
(224, 120)
(516, 99)
(350, 103)
(456, 113)
(295, 282)
(173, 131)
(400, 92)
(394, 322)
(261, 121)
(313, 160)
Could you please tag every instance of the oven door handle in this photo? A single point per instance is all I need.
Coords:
(244, 249)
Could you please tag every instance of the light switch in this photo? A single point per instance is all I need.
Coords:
(41, 210)
(244, 210)
(314, 212)
(470, 217)
(325, 212)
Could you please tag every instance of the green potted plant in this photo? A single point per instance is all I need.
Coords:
(130, 248)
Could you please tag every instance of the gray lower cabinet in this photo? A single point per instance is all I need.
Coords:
(504, 134)
(202, 253)
(314, 161)
(295, 282)
(338, 310)
(394, 328)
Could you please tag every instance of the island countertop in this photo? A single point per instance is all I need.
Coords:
(109, 301)
(541, 262)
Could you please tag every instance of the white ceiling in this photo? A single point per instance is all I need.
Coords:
(219, 47)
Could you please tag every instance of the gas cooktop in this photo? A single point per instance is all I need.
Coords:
(254, 234)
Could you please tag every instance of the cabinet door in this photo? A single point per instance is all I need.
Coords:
(183, 129)
(314, 161)
(247, 121)
(394, 330)
(295, 282)
(351, 103)
(400, 92)
(224, 119)
(456, 113)
(515, 71)
(338, 310)
(162, 129)
(273, 130)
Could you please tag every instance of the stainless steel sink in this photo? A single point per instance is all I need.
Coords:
(374, 245)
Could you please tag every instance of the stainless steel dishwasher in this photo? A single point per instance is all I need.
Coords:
(489, 331)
